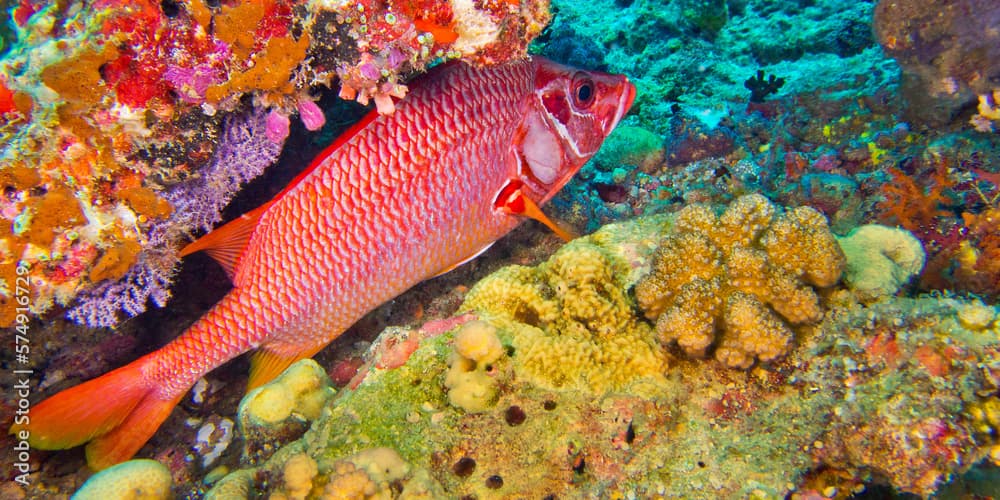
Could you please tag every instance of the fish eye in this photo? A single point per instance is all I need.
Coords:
(583, 91)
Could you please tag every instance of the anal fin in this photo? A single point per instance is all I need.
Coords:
(270, 360)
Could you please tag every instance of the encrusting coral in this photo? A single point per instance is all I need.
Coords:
(136, 479)
(880, 260)
(370, 473)
(739, 279)
(571, 321)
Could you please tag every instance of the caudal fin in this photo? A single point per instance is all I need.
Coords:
(115, 414)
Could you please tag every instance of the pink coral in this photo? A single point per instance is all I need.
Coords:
(277, 126)
(312, 117)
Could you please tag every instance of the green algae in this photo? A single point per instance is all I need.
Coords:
(394, 408)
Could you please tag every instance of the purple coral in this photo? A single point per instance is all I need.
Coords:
(100, 306)
(192, 83)
(244, 151)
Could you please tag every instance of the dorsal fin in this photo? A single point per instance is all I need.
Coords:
(227, 243)
(336, 144)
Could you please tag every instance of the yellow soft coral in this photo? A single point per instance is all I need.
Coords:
(737, 280)
(571, 321)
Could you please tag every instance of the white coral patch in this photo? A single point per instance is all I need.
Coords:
(212, 440)
(131, 120)
(474, 27)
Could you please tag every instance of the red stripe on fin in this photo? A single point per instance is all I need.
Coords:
(226, 244)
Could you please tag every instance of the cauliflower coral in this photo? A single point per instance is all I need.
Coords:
(738, 280)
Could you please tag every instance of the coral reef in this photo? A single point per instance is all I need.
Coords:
(894, 390)
(371, 473)
(136, 479)
(213, 438)
(126, 128)
(281, 409)
(745, 274)
(859, 147)
(953, 211)
(570, 321)
(469, 385)
(953, 59)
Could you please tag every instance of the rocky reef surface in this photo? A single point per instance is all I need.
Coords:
(902, 391)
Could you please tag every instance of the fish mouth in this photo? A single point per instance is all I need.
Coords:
(625, 100)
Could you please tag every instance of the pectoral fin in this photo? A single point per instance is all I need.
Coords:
(513, 200)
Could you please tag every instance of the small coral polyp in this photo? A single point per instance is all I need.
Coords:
(738, 281)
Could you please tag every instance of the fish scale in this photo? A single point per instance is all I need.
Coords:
(399, 199)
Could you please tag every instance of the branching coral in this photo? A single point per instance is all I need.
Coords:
(978, 257)
(912, 206)
(962, 252)
(739, 279)
(571, 321)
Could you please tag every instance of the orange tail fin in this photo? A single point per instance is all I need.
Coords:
(115, 414)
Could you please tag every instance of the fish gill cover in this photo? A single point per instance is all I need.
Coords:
(129, 126)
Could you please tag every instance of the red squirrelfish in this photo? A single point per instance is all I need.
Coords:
(466, 156)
